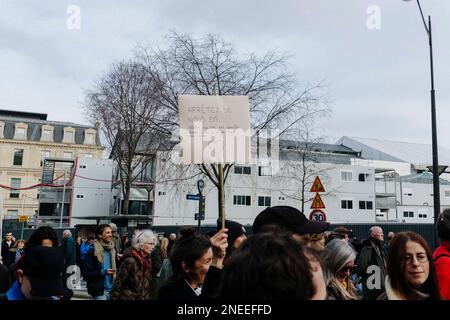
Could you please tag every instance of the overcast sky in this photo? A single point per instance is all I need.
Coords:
(377, 78)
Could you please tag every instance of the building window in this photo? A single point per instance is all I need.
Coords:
(447, 193)
(264, 171)
(161, 193)
(346, 175)
(15, 183)
(20, 133)
(47, 135)
(44, 155)
(264, 201)
(242, 170)
(89, 155)
(18, 157)
(347, 204)
(362, 177)
(408, 214)
(281, 198)
(407, 192)
(421, 215)
(242, 200)
(67, 155)
(12, 214)
(89, 138)
(363, 205)
(68, 137)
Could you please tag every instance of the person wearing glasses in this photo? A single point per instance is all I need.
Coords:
(339, 258)
(134, 276)
(411, 273)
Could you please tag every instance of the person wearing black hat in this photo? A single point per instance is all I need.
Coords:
(38, 275)
(236, 235)
(284, 218)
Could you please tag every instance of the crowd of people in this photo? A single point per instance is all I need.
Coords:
(287, 256)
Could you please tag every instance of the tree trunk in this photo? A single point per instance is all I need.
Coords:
(126, 201)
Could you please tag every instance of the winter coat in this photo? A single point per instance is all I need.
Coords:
(5, 250)
(211, 285)
(178, 290)
(371, 255)
(133, 278)
(10, 257)
(94, 272)
(5, 279)
(69, 251)
(441, 258)
(117, 242)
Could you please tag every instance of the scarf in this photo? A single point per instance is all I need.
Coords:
(146, 262)
(393, 295)
(99, 251)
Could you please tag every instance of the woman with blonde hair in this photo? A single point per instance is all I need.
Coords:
(339, 258)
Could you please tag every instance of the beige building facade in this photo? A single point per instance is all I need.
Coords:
(26, 139)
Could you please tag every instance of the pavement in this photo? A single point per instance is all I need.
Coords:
(80, 292)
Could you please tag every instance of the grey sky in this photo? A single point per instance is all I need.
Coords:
(377, 80)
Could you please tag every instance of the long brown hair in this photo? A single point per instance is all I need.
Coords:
(396, 267)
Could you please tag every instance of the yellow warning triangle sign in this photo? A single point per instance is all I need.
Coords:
(317, 202)
(317, 186)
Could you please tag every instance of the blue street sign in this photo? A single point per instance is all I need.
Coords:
(193, 197)
(202, 217)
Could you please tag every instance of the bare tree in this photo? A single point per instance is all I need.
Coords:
(211, 66)
(133, 122)
(304, 164)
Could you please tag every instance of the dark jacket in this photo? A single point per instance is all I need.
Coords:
(69, 251)
(178, 290)
(133, 278)
(5, 279)
(371, 254)
(10, 257)
(93, 274)
(5, 249)
(211, 286)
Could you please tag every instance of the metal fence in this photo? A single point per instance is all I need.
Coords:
(362, 230)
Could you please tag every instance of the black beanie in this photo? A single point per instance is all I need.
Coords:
(235, 230)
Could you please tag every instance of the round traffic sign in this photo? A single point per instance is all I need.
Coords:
(318, 215)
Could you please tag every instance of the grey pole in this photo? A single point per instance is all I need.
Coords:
(23, 223)
(436, 187)
(63, 198)
(1, 223)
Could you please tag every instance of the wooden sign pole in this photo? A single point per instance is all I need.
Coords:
(222, 196)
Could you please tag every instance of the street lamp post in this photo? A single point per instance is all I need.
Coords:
(149, 189)
(201, 203)
(436, 191)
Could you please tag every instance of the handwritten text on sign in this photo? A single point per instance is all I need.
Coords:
(214, 129)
